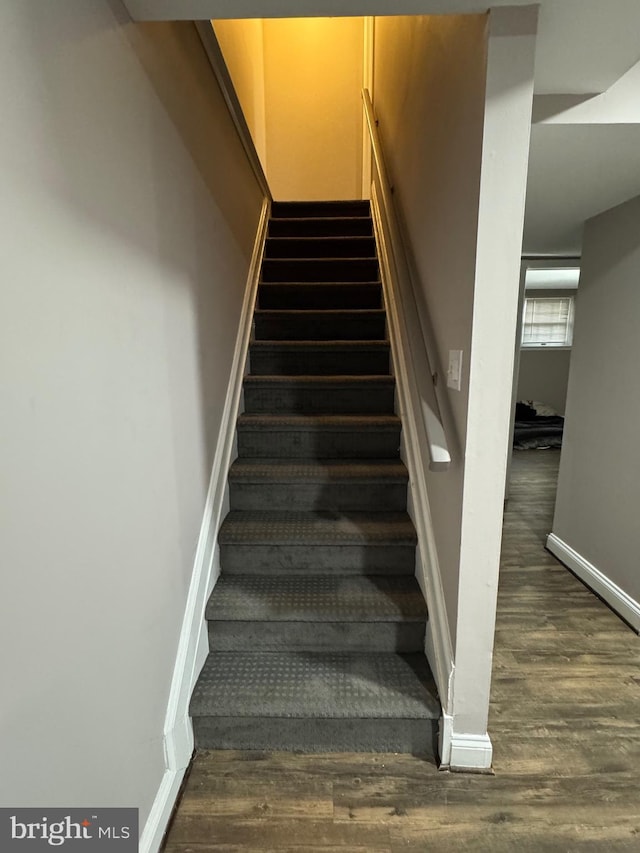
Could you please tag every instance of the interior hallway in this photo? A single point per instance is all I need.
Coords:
(564, 723)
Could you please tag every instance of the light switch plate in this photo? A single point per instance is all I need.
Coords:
(454, 371)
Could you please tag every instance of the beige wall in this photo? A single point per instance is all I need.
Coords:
(242, 45)
(125, 253)
(313, 80)
(429, 84)
(599, 484)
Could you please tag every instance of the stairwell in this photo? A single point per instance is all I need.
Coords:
(317, 623)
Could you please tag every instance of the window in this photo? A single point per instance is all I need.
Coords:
(548, 321)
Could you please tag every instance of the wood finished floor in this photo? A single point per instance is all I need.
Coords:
(564, 723)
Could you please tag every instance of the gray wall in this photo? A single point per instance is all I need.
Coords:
(544, 375)
(128, 216)
(599, 485)
(429, 97)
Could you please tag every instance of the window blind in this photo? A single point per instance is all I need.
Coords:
(548, 321)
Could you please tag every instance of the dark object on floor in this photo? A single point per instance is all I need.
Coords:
(537, 426)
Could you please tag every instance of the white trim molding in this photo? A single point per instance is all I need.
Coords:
(445, 734)
(161, 810)
(470, 752)
(193, 644)
(625, 606)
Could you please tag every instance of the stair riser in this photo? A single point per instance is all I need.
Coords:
(319, 296)
(379, 400)
(314, 327)
(290, 209)
(317, 362)
(418, 737)
(320, 247)
(320, 270)
(318, 444)
(325, 227)
(358, 497)
(318, 559)
(317, 636)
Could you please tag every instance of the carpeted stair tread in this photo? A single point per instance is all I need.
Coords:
(311, 394)
(320, 247)
(346, 423)
(334, 344)
(316, 209)
(287, 471)
(308, 685)
(323, 324)
(318, 436)
(320, 269)
(320, 598)
(316, 528)
(319, 381)
(303, 295)
(338, 485)
(320, 357)
(356, 313)
(321, 226)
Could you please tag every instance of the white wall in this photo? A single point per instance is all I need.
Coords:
(429, 89)
(544, 376)
(454, 115)
(599, 484)
(128, 215)
(505, 150)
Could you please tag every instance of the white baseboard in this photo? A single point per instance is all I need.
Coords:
(470, 752)
(444, 740)
(193, 645)
(615, 597)
(160, 813)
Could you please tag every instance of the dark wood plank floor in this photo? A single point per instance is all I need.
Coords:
(564, 723)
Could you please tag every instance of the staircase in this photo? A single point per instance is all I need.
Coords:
(317, 624)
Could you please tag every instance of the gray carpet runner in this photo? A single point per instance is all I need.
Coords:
(317, 624)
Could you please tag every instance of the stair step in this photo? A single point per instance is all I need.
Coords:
(319, 394)
(320, 269)
(319, 436)
(298, 295)
(316, 702)
(316, 209)
(320, 325)
(320, 247)
(319, 357)
(326, 226)
(276, 484)
(318, 552)
(316, 613)
(321, 542)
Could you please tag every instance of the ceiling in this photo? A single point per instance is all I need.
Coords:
(583, 158)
